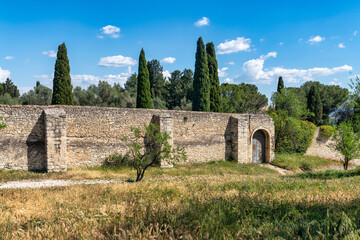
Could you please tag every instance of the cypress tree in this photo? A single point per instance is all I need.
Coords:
(62, 88)
(215, 90)
(314, 105)
(280, 85)
(201, 97)
(143, 96)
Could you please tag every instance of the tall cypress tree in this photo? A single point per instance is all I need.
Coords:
(215, 90)
(314, 105)
(157, 80)
(280, 85)
(62, 88)
(201, 97)
(143, 96)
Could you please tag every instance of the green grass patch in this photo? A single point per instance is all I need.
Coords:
(330, 174)
(297, 161)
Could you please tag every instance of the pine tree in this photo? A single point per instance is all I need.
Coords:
(201, 97)
(143, 96)
(62, 88)
(314, 105)
(157, 80)
(280, 85)
(215, 90)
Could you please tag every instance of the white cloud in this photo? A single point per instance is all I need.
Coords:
(111, 31)
(232, 46)
(355, 33)
(4, 74)
(166, 74)
(169, 60)
(316, 39)
(281, 43)
(229, 80)
(335, 83)
(117, 61)
(262, 40)
(254, 71)
(231, 63)
(341, 45)
(222, 72)
(204, 21)
(9, 57)
(24, 89)
(50, 53)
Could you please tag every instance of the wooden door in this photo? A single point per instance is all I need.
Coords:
(258, 147)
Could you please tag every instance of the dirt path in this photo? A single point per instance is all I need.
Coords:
(279, 170)
(50, 183)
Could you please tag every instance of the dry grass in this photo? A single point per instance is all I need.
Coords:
(219, 201)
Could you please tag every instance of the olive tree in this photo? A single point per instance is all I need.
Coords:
(347, 142)
(149, 147)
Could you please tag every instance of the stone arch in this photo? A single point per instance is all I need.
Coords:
(267, 147)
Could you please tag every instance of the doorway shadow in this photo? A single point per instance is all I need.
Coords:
(36, 152)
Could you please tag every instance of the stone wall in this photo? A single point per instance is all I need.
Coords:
(56, 137)
(323, 148)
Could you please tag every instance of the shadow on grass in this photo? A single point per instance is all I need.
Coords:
(329, 174)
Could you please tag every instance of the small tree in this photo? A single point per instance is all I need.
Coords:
(148, 148)
(347, 142)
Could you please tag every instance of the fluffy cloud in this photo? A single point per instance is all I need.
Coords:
(110, 31)
(341, 45)
(168, 60)
(222, 72)
(204, 21)
(316, 39)
(228, 80)
(355, 33)
(254, 71)
(4, 74)
(232, 46)
(9, 57)
(117, 61)
(50, 53)
(231, 63)
(166, 74)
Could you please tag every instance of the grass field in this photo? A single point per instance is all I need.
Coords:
(220, 200)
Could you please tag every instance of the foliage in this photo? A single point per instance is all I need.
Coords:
(178, 89)
(297, 161)
(326, 132)
(9, 87)
(117, 160)
(315, 106)
(331, 174)
(201, 94)
(149, 148)
(355, 103)
(131, 85)
(242, 98)
(157, 80)
(292, 135)
(41, 95)
(347, 142)
(332, 97)
(288, 103)
(280, 86)
(143, 96)
(215, 90)
(2, 125)
(6, 99)
(62, 87)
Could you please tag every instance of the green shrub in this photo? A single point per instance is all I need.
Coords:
(117, 160)
(2, 125)
(326, 132)
(292, 135)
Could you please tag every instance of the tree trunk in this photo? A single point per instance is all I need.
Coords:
(346, 164)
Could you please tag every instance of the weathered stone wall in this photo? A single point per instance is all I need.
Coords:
(323, 148)
(89, 134)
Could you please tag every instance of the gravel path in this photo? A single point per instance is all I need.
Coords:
(50, 183)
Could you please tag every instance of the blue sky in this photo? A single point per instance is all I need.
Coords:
(256, 41)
